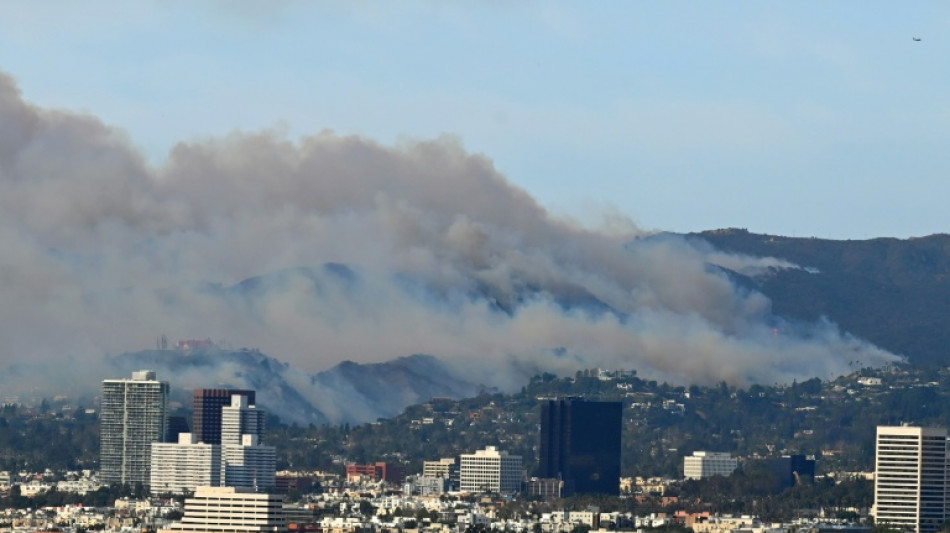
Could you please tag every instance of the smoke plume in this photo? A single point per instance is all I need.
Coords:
(442, 256)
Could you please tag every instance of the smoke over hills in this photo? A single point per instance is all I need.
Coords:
(435, 253)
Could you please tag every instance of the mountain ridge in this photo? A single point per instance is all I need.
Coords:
(893, 292)
(348, 392)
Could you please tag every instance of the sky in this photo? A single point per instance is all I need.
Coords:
(796, 118)
(479, 182)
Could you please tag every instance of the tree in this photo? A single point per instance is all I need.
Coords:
(366, 508)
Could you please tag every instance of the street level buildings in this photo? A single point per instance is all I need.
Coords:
(381, 471)
(910, 481)
(132, 417)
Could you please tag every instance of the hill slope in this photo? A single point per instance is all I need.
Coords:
(892, 292)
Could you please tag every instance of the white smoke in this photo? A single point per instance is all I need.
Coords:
(102, 254)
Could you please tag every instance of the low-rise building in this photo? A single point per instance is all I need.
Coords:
(490, 470)
(231, 509)
(704, 464)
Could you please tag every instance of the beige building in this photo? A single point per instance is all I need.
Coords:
(446, 467)
(231, 510)
(910, 481)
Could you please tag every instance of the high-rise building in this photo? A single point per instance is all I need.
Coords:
(490, 470)
(910, 481)
(249, 464)
(239, 418)
(231, 509)
(246, 461)
(580, 445)
(240, 461)
(206, 424)
(132, 417)
(703, 465)
(184, 466)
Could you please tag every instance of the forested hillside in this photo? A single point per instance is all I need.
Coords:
(834, 420)
(892, 292)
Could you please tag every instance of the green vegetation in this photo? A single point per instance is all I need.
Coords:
(45, 438)
(835, 421)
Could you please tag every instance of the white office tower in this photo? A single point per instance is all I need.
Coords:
(184, 466)
(702, 465)
(910, 481)
(132, 417)
(490, 470)
(239, 419)
(249, 464)
(246, 462)
(231, 510)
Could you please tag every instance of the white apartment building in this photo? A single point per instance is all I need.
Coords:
(910, 481)
(490, 470)
(132, 417)
(185, 465)
(707, 464)
(231, 510)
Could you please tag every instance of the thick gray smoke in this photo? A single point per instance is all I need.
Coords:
(102, 254)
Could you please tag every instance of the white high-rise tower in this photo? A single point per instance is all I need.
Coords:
(240, 418)
(132, 417)
(246, 462)
(910, 481)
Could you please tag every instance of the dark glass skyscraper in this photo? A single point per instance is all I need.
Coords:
(208, 404)
(580, 444)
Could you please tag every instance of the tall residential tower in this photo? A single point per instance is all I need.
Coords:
(132, 417)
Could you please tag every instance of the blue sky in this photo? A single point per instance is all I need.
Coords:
(795, 118)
